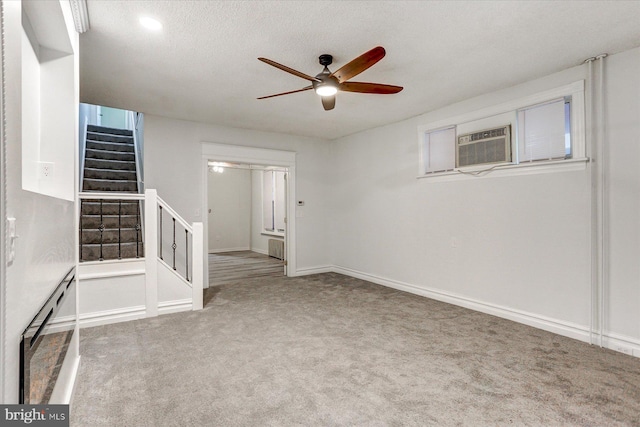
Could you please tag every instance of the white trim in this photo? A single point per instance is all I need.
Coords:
(306, 271)
(272, 234)
(110, 268)
(258, 156)
(568, 329)
(111, 196)
(174, 214)
(107, 317)
(612, 341)
(176, 306)
(260, 251)
(529, 168)
(151, 249)
(238, 249)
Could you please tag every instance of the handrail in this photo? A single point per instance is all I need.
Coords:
(175, 215)
(194, 251)
(136, 151)
(83, 146)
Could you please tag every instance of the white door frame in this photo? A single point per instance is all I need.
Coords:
(259, 156)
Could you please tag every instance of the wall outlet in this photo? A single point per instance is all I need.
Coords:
(46, 170)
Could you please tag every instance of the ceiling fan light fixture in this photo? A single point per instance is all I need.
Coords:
(326, 89)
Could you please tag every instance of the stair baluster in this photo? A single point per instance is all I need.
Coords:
(138, 233)
(186, 249)
(174, 246)
(101, 228)
(119, 229)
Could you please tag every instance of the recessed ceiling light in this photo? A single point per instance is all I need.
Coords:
(150, 23)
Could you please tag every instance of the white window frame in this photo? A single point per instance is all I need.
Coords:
(272, 197)
(578, 160)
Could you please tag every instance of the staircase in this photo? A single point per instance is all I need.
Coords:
(110, 229)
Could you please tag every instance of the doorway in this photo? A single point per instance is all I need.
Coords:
(253, 156)
(247, 221)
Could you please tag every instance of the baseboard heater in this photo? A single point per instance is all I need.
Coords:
(276, 248)
(44, 344)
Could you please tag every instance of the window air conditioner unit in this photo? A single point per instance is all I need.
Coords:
(484, 147)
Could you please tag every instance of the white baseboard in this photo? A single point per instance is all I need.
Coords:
(260, 251)
(176, 306)
(243, 248)
(106, 317)
(612, 341)
(306, 271)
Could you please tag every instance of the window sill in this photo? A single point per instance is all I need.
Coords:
(272, 233)
(552, 166)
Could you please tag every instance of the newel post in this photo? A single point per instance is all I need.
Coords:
(151, 251)
(198, 265)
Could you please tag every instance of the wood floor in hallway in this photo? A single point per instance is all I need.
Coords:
(228, 267)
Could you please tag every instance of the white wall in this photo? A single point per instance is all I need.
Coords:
(173, 166)
(229, 218)
(622, 109)
(46, 248)
(523, 242)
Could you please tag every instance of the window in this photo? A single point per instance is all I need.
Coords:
(439, 152)
(547, 133)
(544, 131)
(273, 201)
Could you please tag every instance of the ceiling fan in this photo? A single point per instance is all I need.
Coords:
(327, 83)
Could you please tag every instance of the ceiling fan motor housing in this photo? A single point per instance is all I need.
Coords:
(326, 59)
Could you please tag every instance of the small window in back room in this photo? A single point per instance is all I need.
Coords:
(273, 201)
(544, 131)
(439, 150)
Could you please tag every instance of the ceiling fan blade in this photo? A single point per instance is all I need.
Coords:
(359, 64)
(377, 88)
(328, 102)
(288, 70)
(287, 93)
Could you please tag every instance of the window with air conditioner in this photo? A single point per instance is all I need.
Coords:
(539, 133)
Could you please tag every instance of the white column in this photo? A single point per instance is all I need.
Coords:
(197, 283)
(151, 251)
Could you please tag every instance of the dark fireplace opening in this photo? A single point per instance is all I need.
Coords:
(44, 343)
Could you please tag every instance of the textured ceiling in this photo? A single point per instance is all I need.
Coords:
(203, 65)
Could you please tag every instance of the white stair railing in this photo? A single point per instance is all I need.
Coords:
(173, 242)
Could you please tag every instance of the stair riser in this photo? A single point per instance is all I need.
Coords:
(110, 146)
(109, 174)
(110, 236)
(109, 155)
(108, 164)
(93, 222)
(109, 138)
(104, 186)
(109, 208)
(102, 129)
(110, 251)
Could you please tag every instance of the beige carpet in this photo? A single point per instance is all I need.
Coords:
(332, 350)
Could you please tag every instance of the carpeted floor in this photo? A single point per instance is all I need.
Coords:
(332, 350)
